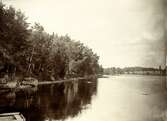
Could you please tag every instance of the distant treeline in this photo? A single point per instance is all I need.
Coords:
(135, 70)
(30, 51)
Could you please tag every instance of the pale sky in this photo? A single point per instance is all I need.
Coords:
(122, 32)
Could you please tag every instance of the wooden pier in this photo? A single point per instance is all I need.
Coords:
(60, 81)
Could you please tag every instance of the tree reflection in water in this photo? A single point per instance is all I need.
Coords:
(58, 101)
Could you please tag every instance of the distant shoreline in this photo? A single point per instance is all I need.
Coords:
(105, 75)
(135, 70)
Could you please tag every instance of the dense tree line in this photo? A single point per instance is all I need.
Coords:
(30, 51)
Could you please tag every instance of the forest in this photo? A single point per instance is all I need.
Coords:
(27, 50)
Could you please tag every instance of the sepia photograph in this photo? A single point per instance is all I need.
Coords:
(83, 60)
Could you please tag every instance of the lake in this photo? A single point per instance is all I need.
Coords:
(116, 98)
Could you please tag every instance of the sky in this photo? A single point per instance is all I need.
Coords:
(122, 32)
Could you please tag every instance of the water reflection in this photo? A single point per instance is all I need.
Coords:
(7, 99)
(48, 102)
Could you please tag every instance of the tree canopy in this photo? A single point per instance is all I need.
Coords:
(34, 52)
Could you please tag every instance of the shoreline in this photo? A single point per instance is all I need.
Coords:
(13, 85)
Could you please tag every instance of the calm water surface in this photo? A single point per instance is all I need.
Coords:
(117, 98)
